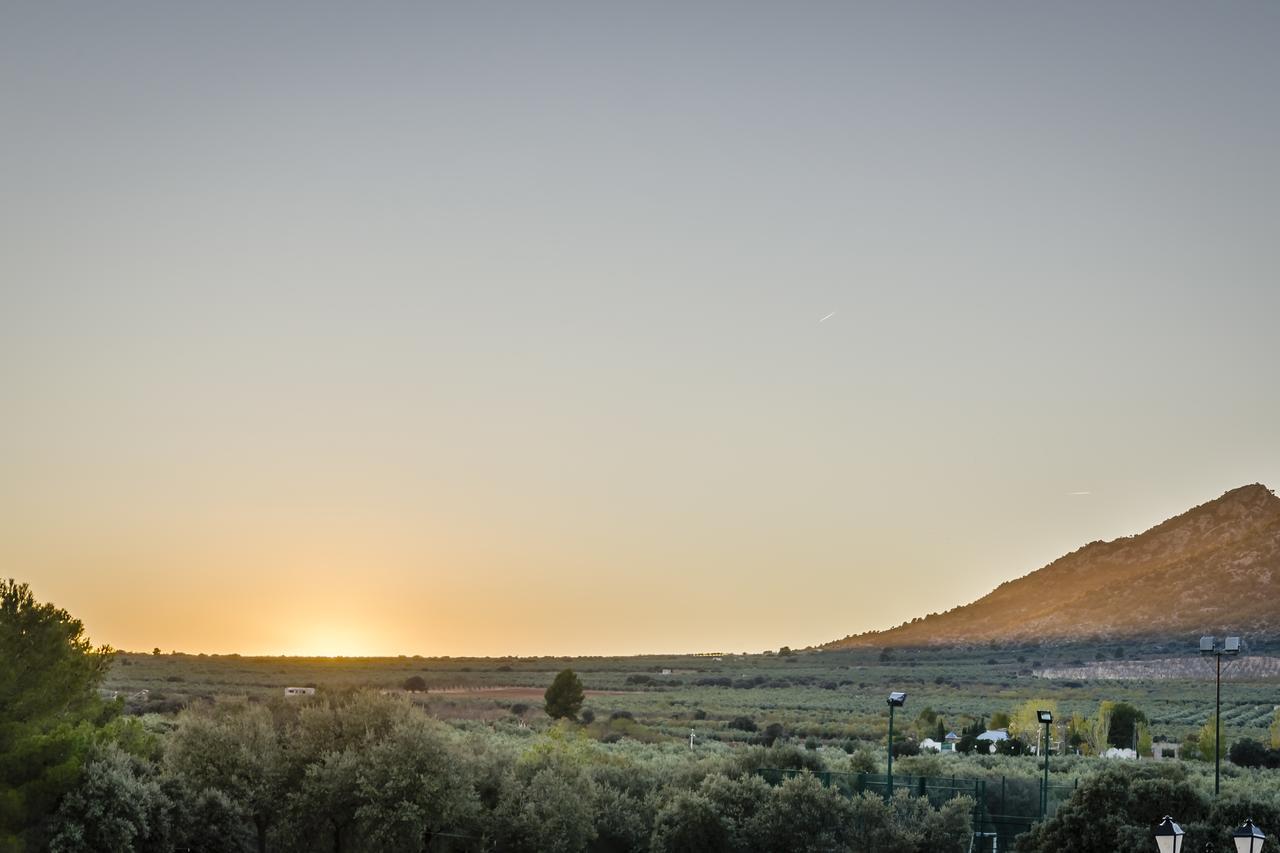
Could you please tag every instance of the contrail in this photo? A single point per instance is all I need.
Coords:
(1079, 493)
(828, 317)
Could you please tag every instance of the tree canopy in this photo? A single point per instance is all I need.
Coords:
(49, 707)
(564, 696)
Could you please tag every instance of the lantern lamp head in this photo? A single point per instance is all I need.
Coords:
(1168, 836)
(1044, 716)
(897, 699)
(1249, 838)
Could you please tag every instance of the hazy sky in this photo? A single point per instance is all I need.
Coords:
(481, 328)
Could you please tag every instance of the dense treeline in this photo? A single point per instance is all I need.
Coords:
(369, 772)
(1117, 807)
(357, 770)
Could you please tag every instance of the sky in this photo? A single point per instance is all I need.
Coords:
(607, 328)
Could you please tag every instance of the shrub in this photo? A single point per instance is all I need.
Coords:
(743, 724)
(564, 696)
(1248, 752)
(689, 822)
(803, 816)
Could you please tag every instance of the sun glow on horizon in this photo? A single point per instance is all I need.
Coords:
(331, 641)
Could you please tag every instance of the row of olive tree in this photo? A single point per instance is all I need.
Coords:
(364, 772)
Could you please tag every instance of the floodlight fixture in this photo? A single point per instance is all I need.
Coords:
(1168, 836)
(1249, 838)
(896, 700)
(1045, 717)
(1209, 648)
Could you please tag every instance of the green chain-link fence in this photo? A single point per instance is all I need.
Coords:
(1004, 808)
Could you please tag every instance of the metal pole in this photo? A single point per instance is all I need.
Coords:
(1217, 735)
(888, 794)
(1044, 790)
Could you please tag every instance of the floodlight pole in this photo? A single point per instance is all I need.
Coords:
(889, 788)
(1044, 789)
(1217, 733)
(1209, 646)
(896, 699)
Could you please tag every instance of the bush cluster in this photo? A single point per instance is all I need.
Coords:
(365, 772)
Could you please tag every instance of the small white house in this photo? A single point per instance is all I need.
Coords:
(299, 691)
(930, 745)
(991, 737)
(949, 742)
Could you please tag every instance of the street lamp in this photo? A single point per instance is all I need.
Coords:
(1249, 838)
(896, 700)
(1045, 717)
(1209, 648)
(1168, 836)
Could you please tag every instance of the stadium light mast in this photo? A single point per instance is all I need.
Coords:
(1045, 717)
(897, 699)
(1209, 648)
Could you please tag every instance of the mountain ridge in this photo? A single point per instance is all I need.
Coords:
(1212, 569)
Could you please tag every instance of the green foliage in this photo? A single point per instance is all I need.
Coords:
(550, 812)
(1097, 731)
(1115, 809)
(412, 786)
(804, 816)
(415, 684)
(909, 825)
(49, 711)
(1025, 723)
(1145, 740)
(690, 823)
(738, 801)
(564, 696)
(1208, 735)
(117, 806)
(238, 752)
(1125, 719)
(1248, 752)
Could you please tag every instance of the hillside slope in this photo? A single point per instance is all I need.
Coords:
(1212, 570)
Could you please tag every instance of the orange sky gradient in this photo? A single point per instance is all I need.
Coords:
(580, 328)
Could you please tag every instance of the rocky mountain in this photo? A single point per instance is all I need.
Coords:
(1215, 569)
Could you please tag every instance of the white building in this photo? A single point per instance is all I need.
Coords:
(299, 691)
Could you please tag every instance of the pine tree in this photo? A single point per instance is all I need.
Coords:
(564, 696)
